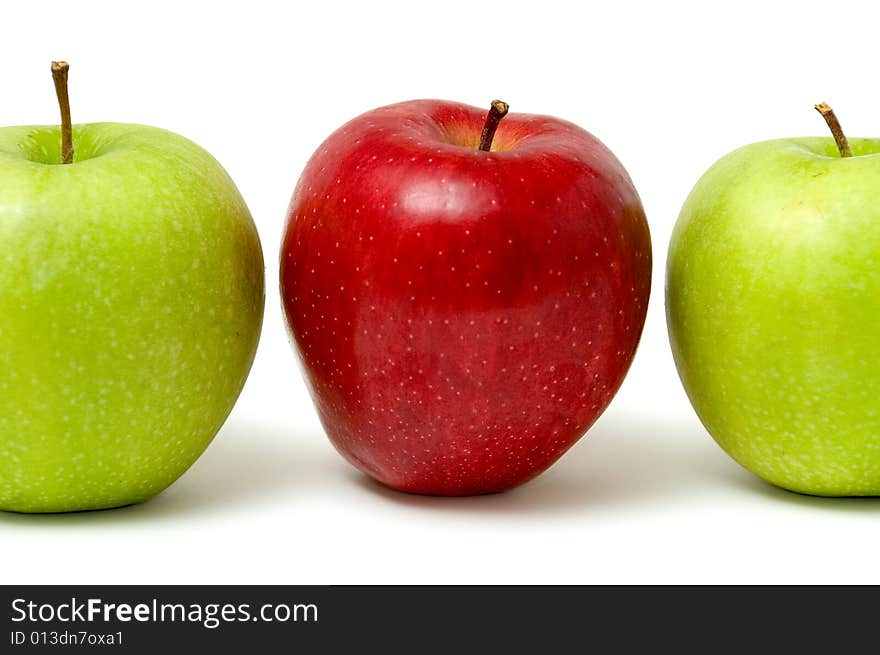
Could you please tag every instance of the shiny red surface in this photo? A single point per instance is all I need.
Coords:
(463, 317)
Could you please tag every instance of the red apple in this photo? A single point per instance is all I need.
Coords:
(463, 316)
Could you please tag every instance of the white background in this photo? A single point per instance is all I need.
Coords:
(646, 496)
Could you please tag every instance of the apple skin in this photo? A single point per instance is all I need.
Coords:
(773, 304)
(462, 316)
(131, 300)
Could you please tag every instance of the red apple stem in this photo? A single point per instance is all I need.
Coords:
(59, 76)
(497, 111)
(836, 131)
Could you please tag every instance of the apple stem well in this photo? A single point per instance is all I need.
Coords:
(836, 131)
(497, 111)
(59, 76)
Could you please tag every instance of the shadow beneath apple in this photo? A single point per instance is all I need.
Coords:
(245, 466)
(627, 462)
(857, 504)
(622, 462)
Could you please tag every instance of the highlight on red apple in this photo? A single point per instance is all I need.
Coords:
(465, 290)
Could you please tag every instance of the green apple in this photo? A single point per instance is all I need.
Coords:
(131, 301)
(773, 307)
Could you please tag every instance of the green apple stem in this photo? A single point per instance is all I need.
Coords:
(59, 76)
(836, 130)
(497, 111)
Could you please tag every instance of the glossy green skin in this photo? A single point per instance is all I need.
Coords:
(773, 307)
(131, 301)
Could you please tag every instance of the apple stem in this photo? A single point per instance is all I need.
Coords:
(59, 76)
(497, 111)
(836, 130)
